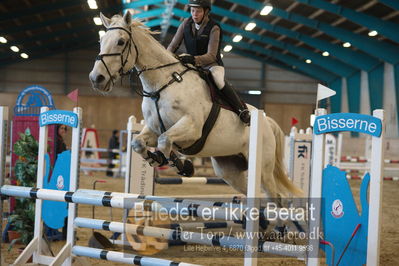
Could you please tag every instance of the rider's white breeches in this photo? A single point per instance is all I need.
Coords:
(218, 76)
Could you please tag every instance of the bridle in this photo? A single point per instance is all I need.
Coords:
(127, 46)
(155, 96)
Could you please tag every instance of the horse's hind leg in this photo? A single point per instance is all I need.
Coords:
(233, 170)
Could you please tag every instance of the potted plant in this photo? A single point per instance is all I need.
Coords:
(23, 218)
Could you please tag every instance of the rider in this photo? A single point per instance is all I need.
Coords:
(202, 38)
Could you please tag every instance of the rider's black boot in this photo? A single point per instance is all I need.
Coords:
(235, 102)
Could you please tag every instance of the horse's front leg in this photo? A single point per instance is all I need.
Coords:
(185, 130)
(148, 138)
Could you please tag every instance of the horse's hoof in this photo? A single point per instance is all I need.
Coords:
(185, 168)
(188, 169)
(157, 158)
(138, 146)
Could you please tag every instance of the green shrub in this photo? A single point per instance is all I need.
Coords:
(23, 218)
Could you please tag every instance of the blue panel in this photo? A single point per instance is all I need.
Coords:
(396, 77)
(341, 217)
(339, 122)
(376, 87)
(54, 212)
(336, 104)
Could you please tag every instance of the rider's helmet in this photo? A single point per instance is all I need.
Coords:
(200, 3)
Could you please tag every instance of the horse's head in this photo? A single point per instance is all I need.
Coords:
(118, 52)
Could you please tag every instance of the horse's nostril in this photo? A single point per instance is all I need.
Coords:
(100, 78)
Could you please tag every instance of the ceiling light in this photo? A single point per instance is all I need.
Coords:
(3, 40)
(237, 38)
(92, 4)
(14, 49)
(346, 44)
(373, 33)
(25, 56)
(266, 10)
(97, 21)
(325, 53)
(250, 26)
(227, 48)
(308, 61)
(254, 92)
(101, 33)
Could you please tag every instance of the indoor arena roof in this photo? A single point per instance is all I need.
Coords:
(324, 39)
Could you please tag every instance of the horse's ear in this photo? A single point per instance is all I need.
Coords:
(106, 21)
(127, 18)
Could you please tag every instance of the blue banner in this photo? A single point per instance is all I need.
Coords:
(58, 117)
(348, 122)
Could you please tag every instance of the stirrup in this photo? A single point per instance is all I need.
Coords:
(245, 116)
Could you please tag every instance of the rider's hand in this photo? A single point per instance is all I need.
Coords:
(187, 59)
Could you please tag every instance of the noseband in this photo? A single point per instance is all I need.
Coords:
(128, 45)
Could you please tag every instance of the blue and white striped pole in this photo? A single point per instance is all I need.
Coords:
(124, 257)
(192, 237)
(79, 197)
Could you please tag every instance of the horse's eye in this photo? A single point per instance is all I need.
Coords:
(121, 42)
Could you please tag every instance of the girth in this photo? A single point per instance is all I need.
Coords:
(206, 129)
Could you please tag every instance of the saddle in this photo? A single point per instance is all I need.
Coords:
(216, 96)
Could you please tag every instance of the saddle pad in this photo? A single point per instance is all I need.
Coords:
(216, 95)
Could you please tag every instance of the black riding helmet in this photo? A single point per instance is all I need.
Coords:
(200, 3)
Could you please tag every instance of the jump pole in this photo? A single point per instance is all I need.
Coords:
(189, 180)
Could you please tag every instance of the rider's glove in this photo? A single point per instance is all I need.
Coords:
(187, 59)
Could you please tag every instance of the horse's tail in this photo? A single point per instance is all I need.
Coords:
(279, 170)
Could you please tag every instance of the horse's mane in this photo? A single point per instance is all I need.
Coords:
(117, 20)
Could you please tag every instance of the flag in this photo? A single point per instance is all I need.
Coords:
(74, 95)
(294, 121)
(324, 92)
